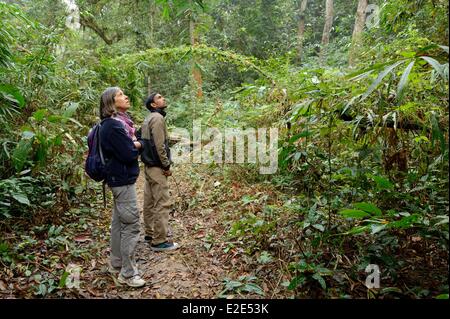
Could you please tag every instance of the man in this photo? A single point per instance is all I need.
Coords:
(156, 157)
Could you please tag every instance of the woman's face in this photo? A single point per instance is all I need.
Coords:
(121, 101)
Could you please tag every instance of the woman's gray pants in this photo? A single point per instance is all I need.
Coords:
(124, 230)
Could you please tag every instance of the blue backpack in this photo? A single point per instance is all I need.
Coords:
(95, 165)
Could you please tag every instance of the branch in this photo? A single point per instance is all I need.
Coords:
(89, 22)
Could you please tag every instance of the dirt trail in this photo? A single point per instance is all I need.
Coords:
(189, 272)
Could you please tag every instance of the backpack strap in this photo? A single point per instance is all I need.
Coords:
(104, 194)
(102, 158)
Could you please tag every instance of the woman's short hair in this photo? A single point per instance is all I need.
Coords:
(107, 105)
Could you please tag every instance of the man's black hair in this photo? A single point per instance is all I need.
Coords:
(150, 99)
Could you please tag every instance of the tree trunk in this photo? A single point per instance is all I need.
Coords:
(151, 21)
(301, 29)
(357, 30)
(196, 75)
(148, 83)
(329, 14)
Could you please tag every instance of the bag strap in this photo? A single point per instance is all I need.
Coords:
(104, 194)
(102, 158)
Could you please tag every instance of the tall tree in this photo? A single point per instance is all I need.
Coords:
(329, 15)
(360, 20)
(301, 29)
(193, 35)
(191, 10)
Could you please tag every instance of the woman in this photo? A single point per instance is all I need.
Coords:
(122, 168)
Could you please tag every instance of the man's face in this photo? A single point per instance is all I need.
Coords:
(159, 102)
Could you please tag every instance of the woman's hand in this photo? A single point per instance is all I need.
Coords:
(137, 145)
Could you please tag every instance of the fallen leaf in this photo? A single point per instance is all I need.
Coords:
(82, 239)
(2, 285)
(92, 292)
(200, 235)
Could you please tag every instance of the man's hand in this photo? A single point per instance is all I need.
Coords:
(167, 173)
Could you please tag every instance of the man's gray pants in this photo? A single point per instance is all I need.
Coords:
(124, 230)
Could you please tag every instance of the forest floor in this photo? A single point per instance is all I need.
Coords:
(237, 236)
(205, 264)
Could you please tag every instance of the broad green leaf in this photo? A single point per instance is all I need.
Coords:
(21, 153)
(436, 65)
(27, 134)
(40, 114)
(265, 258)
(444, 47)
(382, 183)
(301, 109)
(300, 135)
(251, 287)
(443, 220)
(353, 213)
(70, 109)
(233, 284)
(380, 78)
(436, 133)
(319, 227)
(13, 93)
(296, 282)
(404, 80)
(370, 69)
(391, 289)
(377, 228)
(54, 118)
(62, 281)
(321, 281)
(357, 230)
(21, 198)
(361, 76)
(405, 222)
(369, 208)
(408, 54)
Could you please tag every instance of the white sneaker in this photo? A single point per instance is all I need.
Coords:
(135, 281)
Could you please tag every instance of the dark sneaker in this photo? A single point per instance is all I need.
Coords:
(165, 246)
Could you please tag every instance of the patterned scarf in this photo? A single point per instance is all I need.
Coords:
(127, 122)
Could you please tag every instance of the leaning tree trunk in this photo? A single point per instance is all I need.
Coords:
(196, 75)
(301, 29)
(357, 30)
(327, 28)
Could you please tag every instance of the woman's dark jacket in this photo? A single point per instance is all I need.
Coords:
(121, 155)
